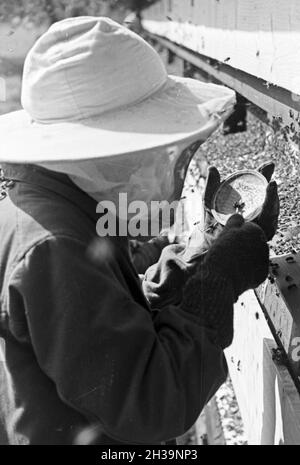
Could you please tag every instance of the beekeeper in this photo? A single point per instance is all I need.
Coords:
(84, 344)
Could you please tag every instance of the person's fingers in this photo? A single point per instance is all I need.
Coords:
(267, 170)
(213, 182)
(235, 221)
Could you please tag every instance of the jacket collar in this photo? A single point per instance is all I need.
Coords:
(51, 180)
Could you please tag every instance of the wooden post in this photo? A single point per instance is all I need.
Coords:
(267, 396)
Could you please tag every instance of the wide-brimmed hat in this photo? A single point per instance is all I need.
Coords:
(92, 88)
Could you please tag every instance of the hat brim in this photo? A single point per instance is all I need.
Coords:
(183, 110)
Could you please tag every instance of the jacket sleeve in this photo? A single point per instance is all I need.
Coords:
(144, 378)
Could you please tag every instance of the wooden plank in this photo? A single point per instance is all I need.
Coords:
(260, 37)
(3, 433)
(266, 394)
(245, 363)
(280, 297)
(287, 400)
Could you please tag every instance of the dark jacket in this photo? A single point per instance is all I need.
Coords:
(79, 344)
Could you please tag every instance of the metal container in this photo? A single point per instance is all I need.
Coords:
(242, 192)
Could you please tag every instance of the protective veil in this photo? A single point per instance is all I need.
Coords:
(143, 179)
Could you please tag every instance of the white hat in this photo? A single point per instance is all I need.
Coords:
(92, 88)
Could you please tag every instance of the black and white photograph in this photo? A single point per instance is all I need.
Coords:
(149, 226)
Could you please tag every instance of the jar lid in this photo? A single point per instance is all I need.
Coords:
(242, 192)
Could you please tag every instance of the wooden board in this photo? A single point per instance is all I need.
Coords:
(280, 297)
(287, 400)
(266, 394)
(260, 37)
(3, 434)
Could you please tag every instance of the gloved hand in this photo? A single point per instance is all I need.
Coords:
(241, 254)
(203, 237)
(268, 218)
(203, 234)
(237, 261)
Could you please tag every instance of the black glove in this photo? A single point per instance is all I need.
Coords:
(267, 220)
(204, 235)
(241, 254)
(237, 261)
